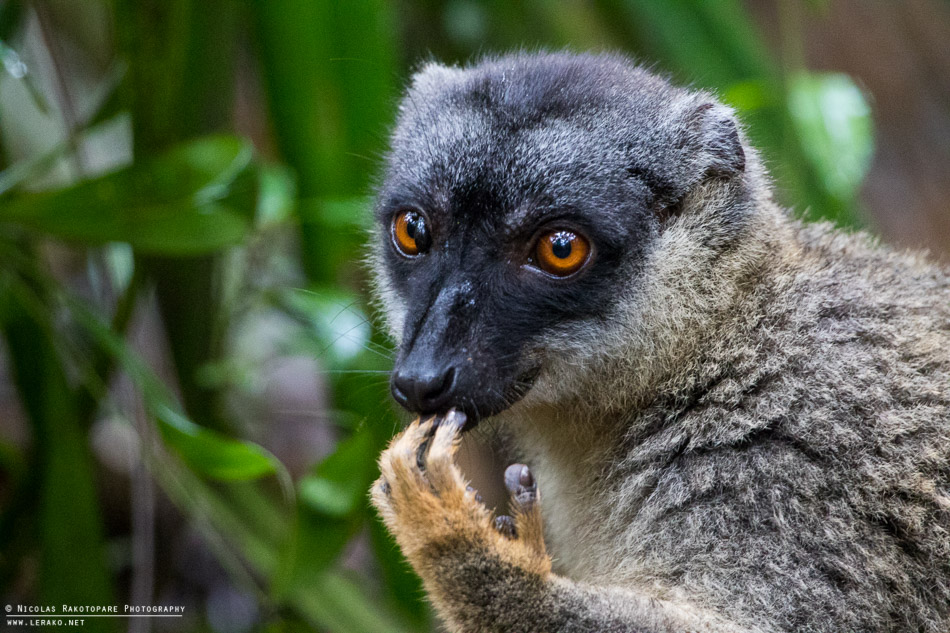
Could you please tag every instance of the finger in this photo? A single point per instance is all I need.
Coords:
(400, 463)
(475, 493)
(525, 506)
(521, 485)
(506, 526)
(441, 470)
(411, 445)
(380, 495)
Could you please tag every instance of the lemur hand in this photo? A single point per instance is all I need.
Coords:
(488, 575)
(449, 537)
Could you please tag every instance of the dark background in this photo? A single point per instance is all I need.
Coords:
(193, 385)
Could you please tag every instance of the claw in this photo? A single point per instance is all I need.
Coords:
(506, 526)
(421, 455)
(478, 497)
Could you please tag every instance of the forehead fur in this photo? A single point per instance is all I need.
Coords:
(551, 121)
(524, 89)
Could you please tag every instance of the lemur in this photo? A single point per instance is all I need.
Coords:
(740, 422)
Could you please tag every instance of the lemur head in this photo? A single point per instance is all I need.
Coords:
(522, 203)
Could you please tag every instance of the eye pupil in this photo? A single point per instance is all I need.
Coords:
(561, 246)
(412, 224)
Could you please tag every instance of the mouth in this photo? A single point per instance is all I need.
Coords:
(474, 403)
(475, 412)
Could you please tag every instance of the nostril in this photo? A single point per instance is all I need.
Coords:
(427, 392)
(436, 391)
(401, 389)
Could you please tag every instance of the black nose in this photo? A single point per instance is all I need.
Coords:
(424, 389)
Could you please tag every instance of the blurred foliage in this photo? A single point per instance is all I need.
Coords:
(182, 202)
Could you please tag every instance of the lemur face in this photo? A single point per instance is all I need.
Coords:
(518, 198)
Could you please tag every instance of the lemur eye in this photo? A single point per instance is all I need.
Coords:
(410, 233)
(561, 253)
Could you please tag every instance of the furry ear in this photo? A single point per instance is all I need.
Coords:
(715, 139)
(701, 141)
(433, 76)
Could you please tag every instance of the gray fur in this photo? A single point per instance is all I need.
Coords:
(756, 424)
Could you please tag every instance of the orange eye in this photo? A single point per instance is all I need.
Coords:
(561, 253)
(410, 233)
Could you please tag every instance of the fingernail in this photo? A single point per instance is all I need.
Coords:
(455, 418)
(515, 478)
(526, 479)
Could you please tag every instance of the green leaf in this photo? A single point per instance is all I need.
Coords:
(11, 17)
(335, 603)
(205, 451)
(339, 485)
(198, 198)
(713, 41)
(333, 501)
(403, 584)
(834, 125)
(22, 171)
(73, 565)
(278, 195)
(330, 497)
(330, 74)
(210, 453)
(338, 215)
(325, 599)
(753, 94)
(12, 461)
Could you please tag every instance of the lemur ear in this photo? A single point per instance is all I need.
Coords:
(703, 143)
(720, 152)
(433, 76)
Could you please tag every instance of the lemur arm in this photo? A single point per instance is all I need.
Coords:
(493, 577)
